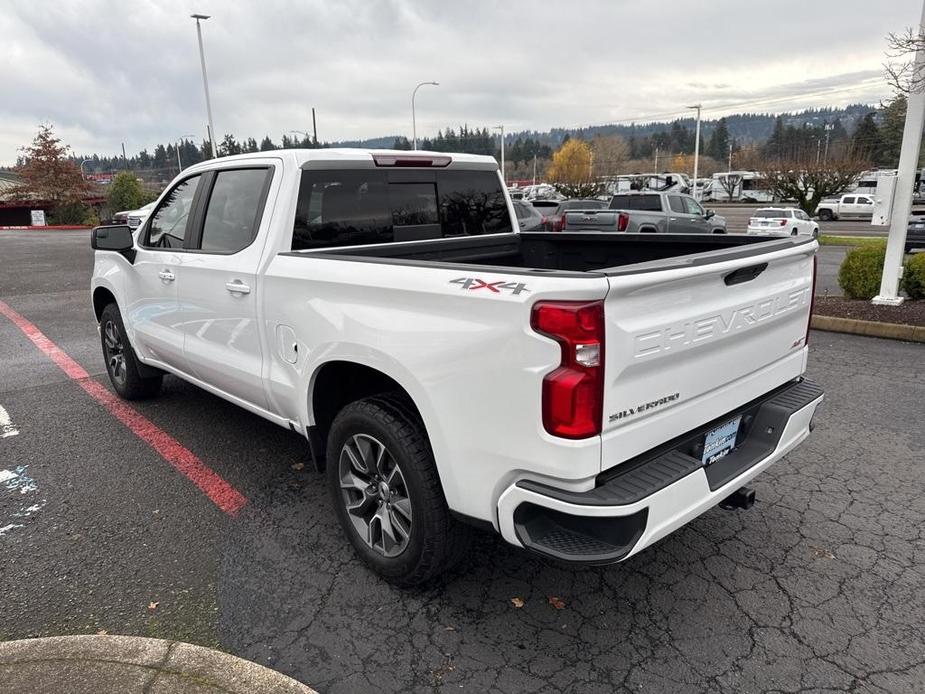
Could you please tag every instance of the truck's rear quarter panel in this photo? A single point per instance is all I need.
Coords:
(464, 352)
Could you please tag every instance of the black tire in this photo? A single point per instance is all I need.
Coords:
(436, 541)
(125, 374)
(719, 231)
(825, 215)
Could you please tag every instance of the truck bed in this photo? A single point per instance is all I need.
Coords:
(567, 253)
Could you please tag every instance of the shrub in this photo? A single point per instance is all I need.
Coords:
(69, 213)
(914, 277)
(125, 192)
(860, 273)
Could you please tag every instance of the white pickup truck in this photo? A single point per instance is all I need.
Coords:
(851, 206)
(583, 395)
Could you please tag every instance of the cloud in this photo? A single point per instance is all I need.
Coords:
(106, 72)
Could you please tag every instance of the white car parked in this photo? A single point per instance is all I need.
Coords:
(782, 221)
(137, 217)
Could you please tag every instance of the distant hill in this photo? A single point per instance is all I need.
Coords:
(745, 128)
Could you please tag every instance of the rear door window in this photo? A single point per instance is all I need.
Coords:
(848, 201)
(234, 210)
(676, 204)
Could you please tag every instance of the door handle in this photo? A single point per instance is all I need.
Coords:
(237, 287)
(166, 275)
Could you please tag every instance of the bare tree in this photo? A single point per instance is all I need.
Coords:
(610, 155)
(729, 182)
(809, 182)
(900, 65)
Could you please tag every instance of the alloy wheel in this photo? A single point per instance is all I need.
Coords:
(115, 352)
(375, 494)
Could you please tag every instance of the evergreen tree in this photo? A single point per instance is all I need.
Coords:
(718, 146)
(891, 131)
(866, 140)
(266, 144)
(774, 146)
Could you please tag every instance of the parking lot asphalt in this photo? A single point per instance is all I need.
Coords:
(819, 587)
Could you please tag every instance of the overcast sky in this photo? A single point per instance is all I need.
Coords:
(107, 72)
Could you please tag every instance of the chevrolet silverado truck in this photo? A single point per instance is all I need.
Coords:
(647, 212)
(582, 395)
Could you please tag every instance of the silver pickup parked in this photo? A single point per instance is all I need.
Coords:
(652, 212)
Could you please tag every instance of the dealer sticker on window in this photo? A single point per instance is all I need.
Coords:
(720, 442)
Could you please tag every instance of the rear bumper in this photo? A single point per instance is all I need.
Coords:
(644, 499)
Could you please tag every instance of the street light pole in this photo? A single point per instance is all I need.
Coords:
(501, 128)
(905, 178)
(177, 144)
(696, 149)
(205, 81)
(414, 123)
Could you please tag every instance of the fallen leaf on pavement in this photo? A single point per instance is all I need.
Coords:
(102, 632)
(556, 602)
(153, 605)
(821, 553)
(298, 466)
(517, 602)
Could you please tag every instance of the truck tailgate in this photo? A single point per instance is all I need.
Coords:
(592, 220)
(688, 344)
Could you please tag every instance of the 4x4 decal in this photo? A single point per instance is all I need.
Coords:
(473, 283)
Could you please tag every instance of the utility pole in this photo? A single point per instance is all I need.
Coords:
(501, 128)
(696, 149)
(314, 127)
(656, 158)
(178, 143)
(534, 169)
(729, 165)
(828, 129)
(205, 81)
(905, 178)
(818, 150)
(124, 160)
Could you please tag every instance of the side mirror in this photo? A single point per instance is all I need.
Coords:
(708, 214)
(116, 238)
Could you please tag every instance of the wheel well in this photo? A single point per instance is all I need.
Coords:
(102, 297)
(647, 230)
(338, 384)
(717, 230)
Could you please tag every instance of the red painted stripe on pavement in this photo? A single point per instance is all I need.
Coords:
(220, 492)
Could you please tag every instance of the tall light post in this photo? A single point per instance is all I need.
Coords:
(414, 124)
(182, 139)
(501, 128)
(905, 178)
(829, 127)
(696, 149)
(205, 80)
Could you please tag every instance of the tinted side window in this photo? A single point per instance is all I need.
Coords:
(342, 208)
(676, 204)
(169, 223)
(472, 203)
(848, 201)
(649, 203)
(234, 210)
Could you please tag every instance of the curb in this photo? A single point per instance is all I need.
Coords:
(128, 664)
(869, 328)
(54, 227)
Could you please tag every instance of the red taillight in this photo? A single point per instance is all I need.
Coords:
(783, 222)
(573, 394)
(560, 226)
(812, 304)
(623, 221)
